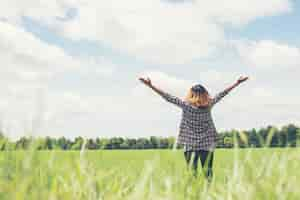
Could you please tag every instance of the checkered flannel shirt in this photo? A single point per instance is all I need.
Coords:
(197, 130)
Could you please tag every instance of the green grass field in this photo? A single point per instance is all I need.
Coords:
(150, 174)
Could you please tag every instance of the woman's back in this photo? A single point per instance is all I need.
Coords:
(197, 130)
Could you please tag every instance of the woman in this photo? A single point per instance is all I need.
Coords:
(197, 132)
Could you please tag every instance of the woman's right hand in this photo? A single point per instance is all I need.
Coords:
(242, 79)
(146, 81)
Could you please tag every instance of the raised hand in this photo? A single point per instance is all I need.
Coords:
(242, 79)
(239, 81)
(146, 81)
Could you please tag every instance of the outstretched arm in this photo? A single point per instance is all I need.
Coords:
(220, 95)
(166, 96)
(148, 83)
(237, 83)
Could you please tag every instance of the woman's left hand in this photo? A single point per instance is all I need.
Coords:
(146, 81)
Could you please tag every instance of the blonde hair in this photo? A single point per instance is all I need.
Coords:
(198, 100)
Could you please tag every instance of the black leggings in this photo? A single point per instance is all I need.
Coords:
(206, 158)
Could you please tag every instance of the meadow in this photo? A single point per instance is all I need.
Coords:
(248, 174)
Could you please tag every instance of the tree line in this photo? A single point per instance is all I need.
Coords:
(270, 136)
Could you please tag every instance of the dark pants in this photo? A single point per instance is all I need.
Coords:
(206, 158)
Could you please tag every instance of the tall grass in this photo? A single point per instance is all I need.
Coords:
(150, 174)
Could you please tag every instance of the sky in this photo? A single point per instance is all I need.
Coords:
(70, 67)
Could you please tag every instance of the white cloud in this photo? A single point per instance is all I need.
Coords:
(27, 56)
(164, 32)
(237, 12)
(157, 30)
(29, 66)
(269, 54)
(48, 12)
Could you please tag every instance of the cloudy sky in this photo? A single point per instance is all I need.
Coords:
(70, 67)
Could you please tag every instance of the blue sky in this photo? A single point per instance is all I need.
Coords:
(70, 68)
(281, 28)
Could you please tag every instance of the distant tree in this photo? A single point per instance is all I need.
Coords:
(298, 137)
(105, 143)
(63, 143)
(125, 144)
(132, 143)
(272, 139)
(164, 143)
(228, 139)
(282, 137)
(142, 143)
(291, 135)
(253, 139)
(154, 141)
(91, 144)
(228, 142)
(23, 143)
(271, 136)
(171, 142)
(116, 142)
(48, 143)
(77, 143)
(3, 142)
(98, 142)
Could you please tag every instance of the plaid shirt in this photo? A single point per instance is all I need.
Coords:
(197, 130)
